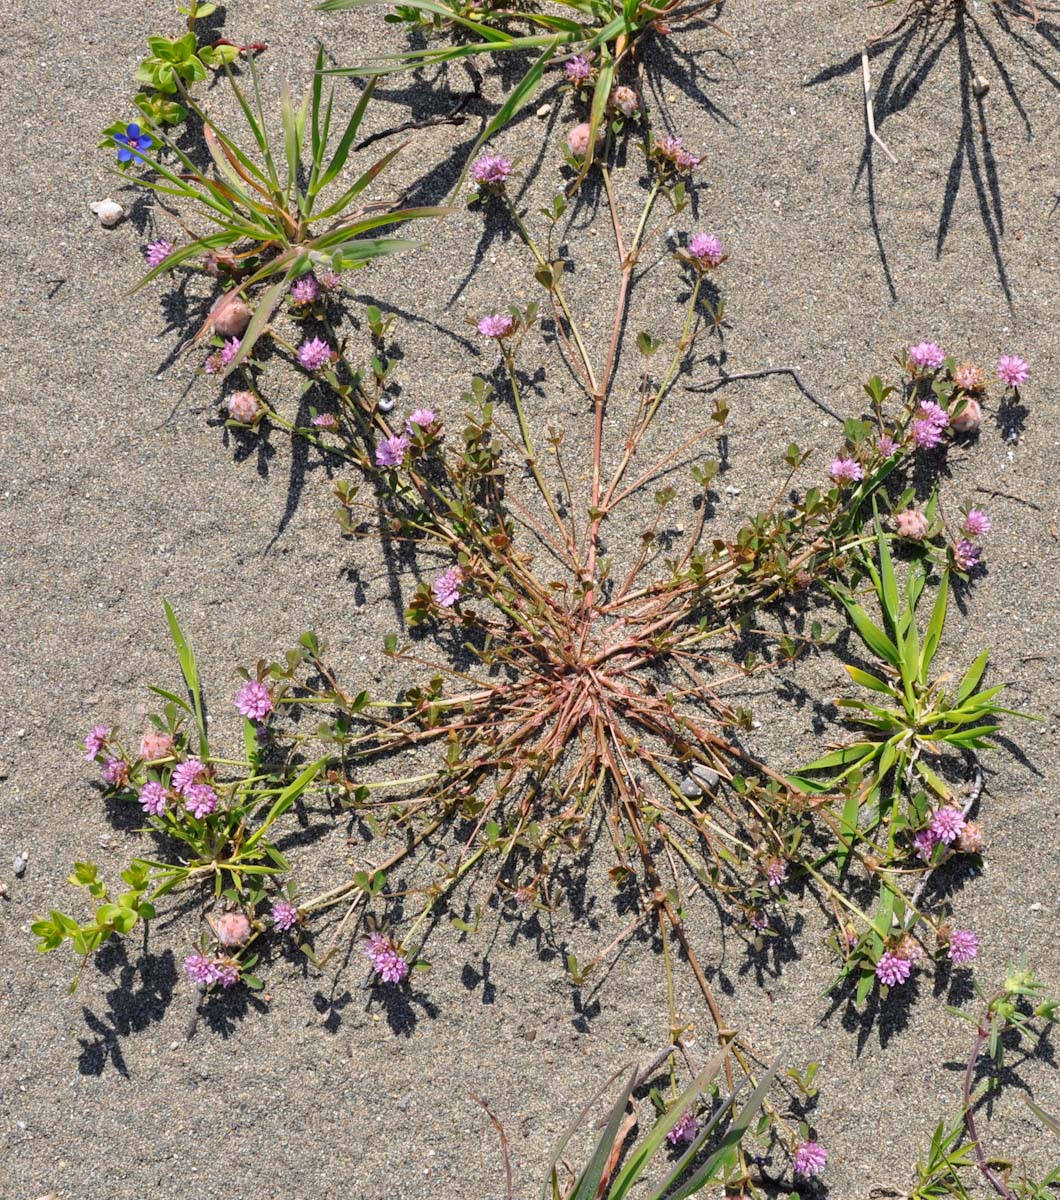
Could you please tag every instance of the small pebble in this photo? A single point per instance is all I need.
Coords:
(544, 110)
(20, 864)
(386, 403)
(109, 212)
(980, 85)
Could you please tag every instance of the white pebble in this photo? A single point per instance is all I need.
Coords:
(109, 211)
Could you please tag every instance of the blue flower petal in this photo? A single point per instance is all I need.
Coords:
(144, 143)
(125, 155)
(133, 131)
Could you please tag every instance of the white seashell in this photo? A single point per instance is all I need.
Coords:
(110, 212)
(386, 403)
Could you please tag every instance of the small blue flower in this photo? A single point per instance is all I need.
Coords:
(130, 142)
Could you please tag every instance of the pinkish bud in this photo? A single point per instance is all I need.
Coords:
(155, 745)
(230, 315)
(911, 523)
(243, 407)
(232, 928)
(968, 419)
(625, 100)
(578, 139)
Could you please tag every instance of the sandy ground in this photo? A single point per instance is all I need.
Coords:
(120, 487)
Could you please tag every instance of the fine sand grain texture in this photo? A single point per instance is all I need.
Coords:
(121, 486)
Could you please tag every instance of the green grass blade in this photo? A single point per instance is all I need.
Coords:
(444, 11)
(601, 95)
(362, 250)
(572, 1129)
(397, 216)
(588, 1185)
(284, 801)
(342, 152)
(873, 637)
(971, 679)
(868, 680)
(360, 184)
(888, 588)
(934, 630)
(190, 671)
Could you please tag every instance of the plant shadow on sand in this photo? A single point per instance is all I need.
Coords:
(952, 41)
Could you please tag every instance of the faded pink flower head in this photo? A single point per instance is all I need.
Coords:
(446, 587)
(967, 555)
(391, 451)
(845, 470)
(325, 421)
(964, 946)
(155, 745)
(947, 823)
(232, 928)
(911, 523)
(672, 150)
(976, 523)
(153, 797)
(253, 700)
(305, 290)
(969, 418)
(314, 354)
(578, 139)
(927, 354)
(1012, 369)
(243, 407)
(330, 281)
(157, 252)
(284, 915)
(420, 418)
(707, 249)
(186, 774)
(386, 959)
(810, 1158)
(491, 170)
(625, 99)
(500, 325)
(98, 737)
(115, 772)
(893, 970)
(971, 839)
(685, 1130)
(200, 800)
(969, 378)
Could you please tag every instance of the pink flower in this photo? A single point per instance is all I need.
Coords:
(927, 354)
(500, 325)
(964, 946)
(845, 470)
(98, 737)
(1011, 369)
(155, 745)
(305, 290)
(926, 434)
(232, 928)
(446, 587)
(226, 974)
(200, 800)
(969, 378)
(314, 353)
(491, 170)
(284, 915)
(776, 872)
(625, 99)
(892, 970)
(200, 969)
(157, 252)
(685, 1130)
(325, 421)
(391, 452)
(672, 150)
(925, 842)
(243, 407)
(330, 281)
(886, 445)
(186, 774)
(386, 958)
(253, 700)
(911, 523)
(976, 523)
(969, 418)
(966, 555)
(216, 363)
(810, 1158)
(707, 250)
(578, 139)
(421, 418)
(153, 797)
(577, 69)
(947, 823)
(115, 772)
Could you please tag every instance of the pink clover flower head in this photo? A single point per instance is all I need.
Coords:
(776, 872)
(200, 969)
(153, 797)
(491, 170)
(926, 434)
(1012, 369)
(810, 1158)
(155, 745)
(446, 588)
(758, 920)
(911, 523)
(391, 451)
(115, 772)
(330, 281)
(672, 150)
(927, 354)
(892, 969)
(243, 407)
(976, 523)
(577, 69)
(185, 775)
(158, 251)
(421, 418)
(935, 413)
(947, 823)
(924, 843)
(226, 974)
(967, 555)
(685, 1130)
(229, 350)
(284, 915)
(305, 290)
(232, 928)
(845, 470)
(626, 100)
(98, 736)
(964, 946)
(886, 445)
(200, 800)
(314, 353)
(969, 378)
(325, 421)
(385, 958)
(499, 325)
(253, 700)
(707, 249)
